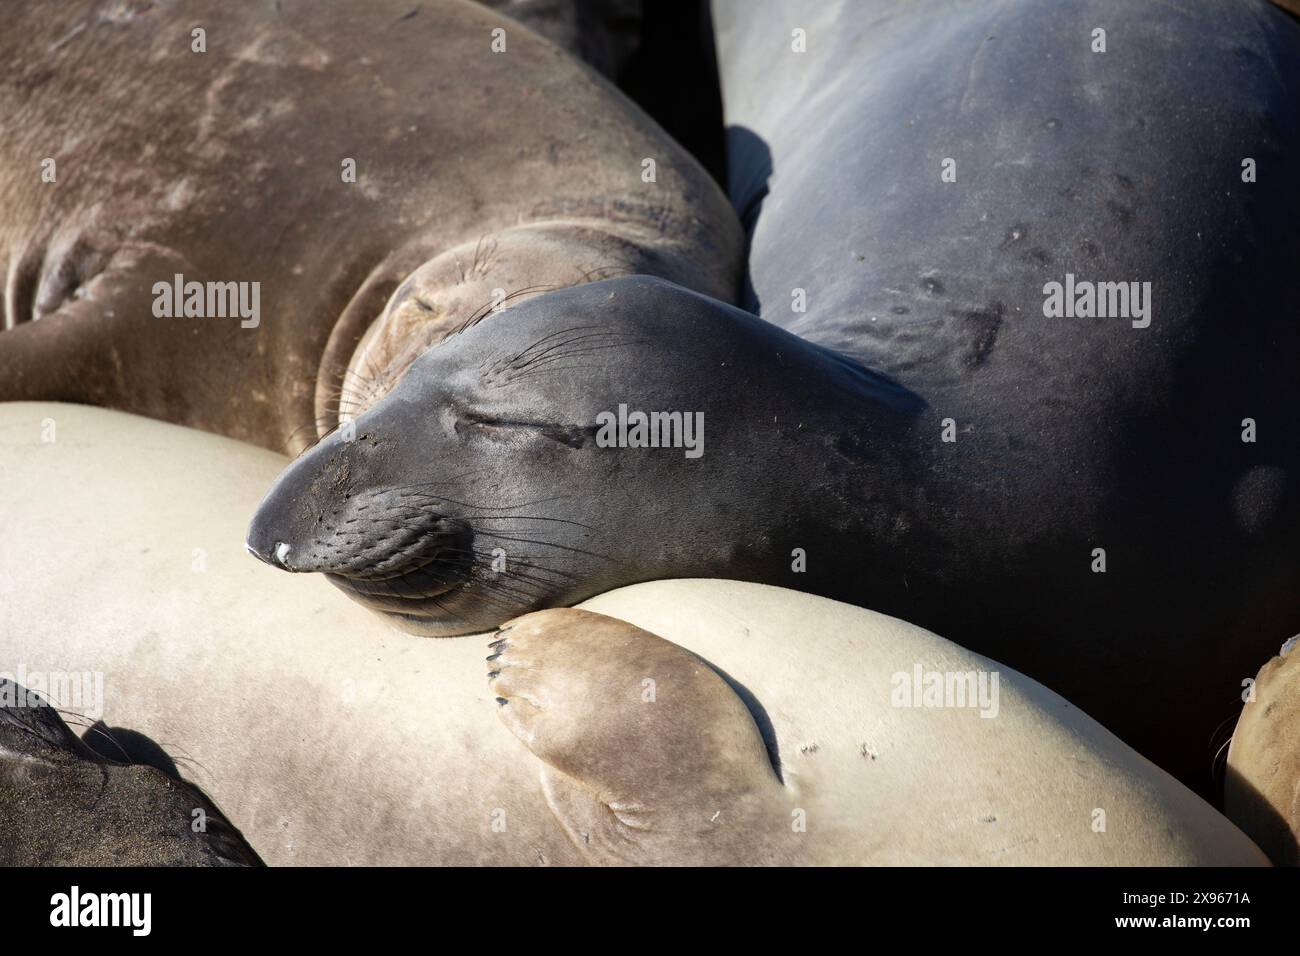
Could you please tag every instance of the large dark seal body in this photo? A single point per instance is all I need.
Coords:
(494, 173)
(1072, 434)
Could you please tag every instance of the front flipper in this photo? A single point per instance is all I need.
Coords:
(650, 757)
(78, 319)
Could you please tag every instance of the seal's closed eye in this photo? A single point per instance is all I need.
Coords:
(505, 429)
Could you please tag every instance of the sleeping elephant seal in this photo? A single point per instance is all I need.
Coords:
(1102, 494)
(501, 475)
(222, 228)
(293, 708)
(1262, 789)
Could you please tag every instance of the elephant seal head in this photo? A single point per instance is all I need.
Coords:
(619, 431)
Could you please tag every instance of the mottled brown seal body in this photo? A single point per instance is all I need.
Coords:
(1262, 791)
(506, 172)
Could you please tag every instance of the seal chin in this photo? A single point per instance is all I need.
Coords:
(417, 593)
(450, 611)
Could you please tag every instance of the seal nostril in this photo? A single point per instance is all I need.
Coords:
(258, 552)
(274, 556)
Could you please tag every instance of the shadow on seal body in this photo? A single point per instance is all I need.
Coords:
(63, 804)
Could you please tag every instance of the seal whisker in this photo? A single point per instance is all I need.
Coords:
(575, 524)
(515, 574)
(548, 544)
(315, 426)
(529, 356)
(546, 338)
(482, 312)
(81, 720)
(549, 360)
(179, 756)
(568, 350)
(534, 373)
(466, 504)
(567, 347)
(552, 363)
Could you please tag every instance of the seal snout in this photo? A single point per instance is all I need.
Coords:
(308, 519)
(388, 546)
(266, 538)
(276, 555)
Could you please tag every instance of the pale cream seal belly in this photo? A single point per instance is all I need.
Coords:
(326, 737)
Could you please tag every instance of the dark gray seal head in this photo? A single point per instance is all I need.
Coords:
(492, 480)
(64, 804)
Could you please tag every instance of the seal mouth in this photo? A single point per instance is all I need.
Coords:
(404, 593)
(418, 612)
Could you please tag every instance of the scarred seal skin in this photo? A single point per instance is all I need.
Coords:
(1108, 505)
(481, 178)
(1146, 441)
